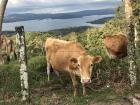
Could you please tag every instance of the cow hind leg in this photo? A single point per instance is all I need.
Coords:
(48, 70)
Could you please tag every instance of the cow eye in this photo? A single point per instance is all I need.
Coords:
(91, 64)
(78, 65)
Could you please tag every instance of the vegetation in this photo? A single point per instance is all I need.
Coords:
(111, 73)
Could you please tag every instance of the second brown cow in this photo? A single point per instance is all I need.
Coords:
(116, 46)
(70, 57)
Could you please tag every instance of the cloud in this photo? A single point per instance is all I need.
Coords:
(46, 10)
(57, 6)
(21, 3)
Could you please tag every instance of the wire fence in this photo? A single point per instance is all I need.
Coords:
(112, 73)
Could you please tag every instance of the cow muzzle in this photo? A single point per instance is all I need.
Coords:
(86, 81)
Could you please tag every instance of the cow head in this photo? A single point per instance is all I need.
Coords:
(84, 65)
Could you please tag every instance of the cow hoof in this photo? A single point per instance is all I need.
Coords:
(84, 94)
(75, 94)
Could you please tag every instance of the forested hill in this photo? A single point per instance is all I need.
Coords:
(101, 21)
(30, 16)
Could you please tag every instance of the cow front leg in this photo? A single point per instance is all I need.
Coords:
(59, 76)
(74, 82)
(84, 89)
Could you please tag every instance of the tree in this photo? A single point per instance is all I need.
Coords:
(3, 4)
(2, 11)
(131, 42)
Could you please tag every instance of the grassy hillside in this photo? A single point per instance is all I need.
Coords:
(111, 73)
(52, 92)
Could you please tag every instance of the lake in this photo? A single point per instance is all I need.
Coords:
(51, 24)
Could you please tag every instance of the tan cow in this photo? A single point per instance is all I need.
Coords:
(116, 46)
(70, 57)
(6, 49)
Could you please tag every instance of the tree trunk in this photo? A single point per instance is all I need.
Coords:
(131, 42)
(23, 62)
(131, 50)
(2, 11)
(3, 4)
(136, 35)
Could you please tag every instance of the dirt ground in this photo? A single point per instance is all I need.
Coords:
(57, 95)
(54, 93)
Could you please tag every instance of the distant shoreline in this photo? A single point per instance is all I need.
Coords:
(59, 31)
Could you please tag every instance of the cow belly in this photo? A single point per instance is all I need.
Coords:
(59, 61)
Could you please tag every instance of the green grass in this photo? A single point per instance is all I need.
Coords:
(42, 91)
(51, 93)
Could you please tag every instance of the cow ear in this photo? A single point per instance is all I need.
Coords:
(73, 63)
(97, 59)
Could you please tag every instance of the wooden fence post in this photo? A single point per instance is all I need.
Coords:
(20, 38)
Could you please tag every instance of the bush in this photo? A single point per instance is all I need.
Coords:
(37, 64)
(37, 71)
(9, 78)
(10, 75)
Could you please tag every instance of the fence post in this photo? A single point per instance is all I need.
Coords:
(20, 38)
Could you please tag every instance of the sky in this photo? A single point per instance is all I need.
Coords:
(57, 6)
(21, 3)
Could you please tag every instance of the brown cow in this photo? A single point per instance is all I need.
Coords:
(116, 46)
(70, 57)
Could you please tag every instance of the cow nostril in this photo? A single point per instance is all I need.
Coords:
(89, 81)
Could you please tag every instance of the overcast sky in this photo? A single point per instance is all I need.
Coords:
(57, 6)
